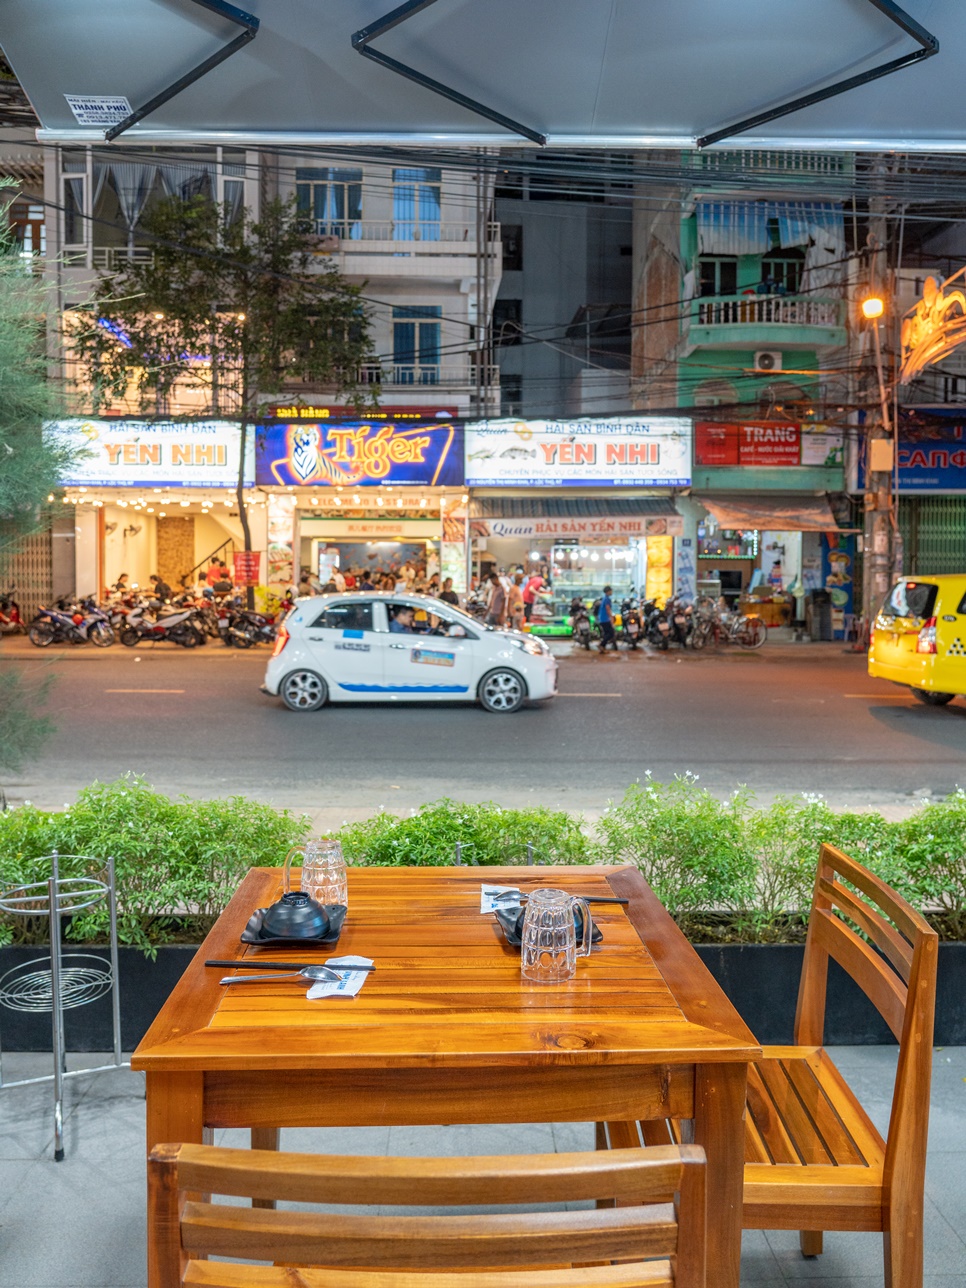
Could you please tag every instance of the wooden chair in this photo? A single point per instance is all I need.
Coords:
(813, 1159)
(362, 1251)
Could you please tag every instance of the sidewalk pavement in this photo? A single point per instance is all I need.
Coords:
(81, 1223)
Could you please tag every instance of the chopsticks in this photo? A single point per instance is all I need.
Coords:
(246, 963)
(510, 895)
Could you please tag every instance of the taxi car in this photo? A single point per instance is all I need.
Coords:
(355, 648)
(919, 637)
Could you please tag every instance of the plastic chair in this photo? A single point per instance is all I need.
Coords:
(62, 981)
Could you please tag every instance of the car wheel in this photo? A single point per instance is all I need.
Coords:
(931, 698)
(502, 691)
(303, 691)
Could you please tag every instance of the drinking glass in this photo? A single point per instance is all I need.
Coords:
(549, 952)
(323, 871)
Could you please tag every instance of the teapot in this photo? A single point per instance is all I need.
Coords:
(295, 916)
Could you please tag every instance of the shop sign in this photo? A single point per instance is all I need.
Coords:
(371, 529)
(296, 411)
(763, 443)
(453, 515)
(932, 458)
(153, 453)
(246, 564)
(622, 451)
(671, 525)
(358, 453)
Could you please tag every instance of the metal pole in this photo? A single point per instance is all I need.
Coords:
(57, 1014)
(459, 854)
(115, 972)
(529, 854)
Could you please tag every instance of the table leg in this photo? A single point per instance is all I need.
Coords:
(719, 1108)
(175, 1115)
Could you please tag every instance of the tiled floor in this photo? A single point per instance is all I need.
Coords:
(80, 1223)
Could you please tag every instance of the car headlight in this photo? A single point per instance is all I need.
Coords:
(527, 644)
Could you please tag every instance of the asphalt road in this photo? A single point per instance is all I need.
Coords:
(786, 719)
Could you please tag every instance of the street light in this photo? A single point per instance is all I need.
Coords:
(873, 307)
(882, 545)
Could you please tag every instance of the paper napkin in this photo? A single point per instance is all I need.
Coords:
(489, 900)
(347, 986)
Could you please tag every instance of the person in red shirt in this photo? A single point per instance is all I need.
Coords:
(214, 573)
(530, 591)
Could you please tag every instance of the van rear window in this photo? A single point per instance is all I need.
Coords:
(911, 599)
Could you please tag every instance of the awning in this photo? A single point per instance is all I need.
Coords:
(777, 514)
(569, 507)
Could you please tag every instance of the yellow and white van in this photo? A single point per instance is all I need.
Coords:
(919, 637)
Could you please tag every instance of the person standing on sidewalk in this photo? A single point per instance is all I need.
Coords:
(605, 620)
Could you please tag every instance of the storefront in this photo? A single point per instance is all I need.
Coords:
(586, 503)
(364, 492)
(759, 506)
(932, 490)
(154, 496)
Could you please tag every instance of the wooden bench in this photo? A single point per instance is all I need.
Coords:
(814, 1161)
(658, 1245)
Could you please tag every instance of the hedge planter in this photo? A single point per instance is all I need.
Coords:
(761, 980)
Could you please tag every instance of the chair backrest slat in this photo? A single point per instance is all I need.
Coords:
(885, 937)
(877, 980)
(661, 1215)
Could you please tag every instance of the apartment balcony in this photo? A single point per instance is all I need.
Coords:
(402, 376)
(413, 250)
(113, 259)
(765, 321)
(786, 172)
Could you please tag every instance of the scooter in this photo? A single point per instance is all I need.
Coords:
(630, 624)
(680, 618)
(580, 622)
(657, 628)
(11, 623)
(180, 627)
(71, 624)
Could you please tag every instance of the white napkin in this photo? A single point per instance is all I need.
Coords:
(489, 900)
(347, 986)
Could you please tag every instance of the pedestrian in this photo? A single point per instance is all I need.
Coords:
(305, 586)
(162, 590)
(339, 580)
(533, 586)
(448, 595)
(121, 585)
(605, 620)
(496, 607)
(214, 573)
(515, 605)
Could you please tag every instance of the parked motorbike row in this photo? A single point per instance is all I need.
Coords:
(133, 620)
(678, 622)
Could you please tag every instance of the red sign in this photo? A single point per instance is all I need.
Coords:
(246, 565)
(760, 443)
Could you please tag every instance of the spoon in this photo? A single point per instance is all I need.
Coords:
(326, 973)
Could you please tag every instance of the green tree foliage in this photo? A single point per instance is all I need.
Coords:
(248, 293)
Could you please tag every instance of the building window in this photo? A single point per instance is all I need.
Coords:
(27, 226)
(416, 201)
(415, 345)
(509, 185)
(511, 395)
(331, 200)
(507, 322)
(782, 272)
(718, 275)
(512, 237)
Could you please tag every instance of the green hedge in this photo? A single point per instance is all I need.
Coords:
(724, 869)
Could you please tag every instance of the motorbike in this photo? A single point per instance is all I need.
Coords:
(630, 624)
(182, 626)
(680, 616)
(246, 628)
(11, 623)
(71, 624)
(580, 622)
(657, 628)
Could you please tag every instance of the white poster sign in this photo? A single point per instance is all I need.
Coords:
(154, 453)
(621, 451)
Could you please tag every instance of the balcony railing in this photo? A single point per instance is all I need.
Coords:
(768, 310)
(343, 232)
(777, 161)
(112, 258)
(405, 374)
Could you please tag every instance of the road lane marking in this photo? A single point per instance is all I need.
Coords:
(144, 690)
(590, 695)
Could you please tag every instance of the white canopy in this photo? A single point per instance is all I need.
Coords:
(579, 73)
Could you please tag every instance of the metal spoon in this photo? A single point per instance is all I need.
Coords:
(327, 973)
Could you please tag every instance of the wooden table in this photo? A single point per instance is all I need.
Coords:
(446, 1031)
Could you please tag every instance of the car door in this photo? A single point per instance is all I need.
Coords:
(349, 651)
(428, 664)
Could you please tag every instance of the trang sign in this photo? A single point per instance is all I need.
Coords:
(358, 453)
(157, 453)
(632, 451)
(764, 443)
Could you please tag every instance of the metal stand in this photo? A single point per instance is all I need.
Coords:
(70, 979)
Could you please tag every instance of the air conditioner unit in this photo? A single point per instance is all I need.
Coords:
(768, 360)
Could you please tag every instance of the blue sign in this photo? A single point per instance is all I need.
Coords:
(359, 453)
(932, 452)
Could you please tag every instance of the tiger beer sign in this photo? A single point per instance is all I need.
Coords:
(359, 453)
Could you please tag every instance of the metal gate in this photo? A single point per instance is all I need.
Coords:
(934, 534)
(28, 567)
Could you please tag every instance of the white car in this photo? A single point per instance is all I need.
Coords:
(402, 648)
